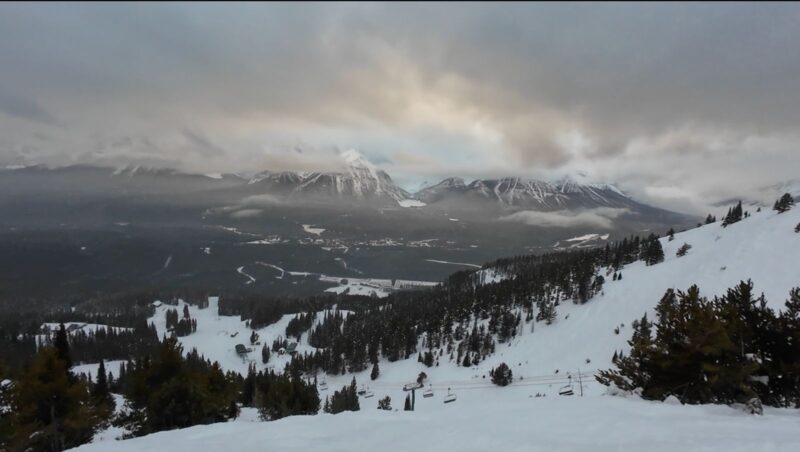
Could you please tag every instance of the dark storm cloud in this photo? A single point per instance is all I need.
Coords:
(623, 91)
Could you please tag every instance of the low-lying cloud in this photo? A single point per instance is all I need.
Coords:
(601, 217)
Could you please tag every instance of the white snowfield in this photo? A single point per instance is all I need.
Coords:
(763, 248)
(498, 419)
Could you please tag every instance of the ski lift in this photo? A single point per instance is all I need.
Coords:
(412, 386)
(450, 397)
(428, 392)
(362, 391)
(369, 394)
(566, 390)
(323, 386)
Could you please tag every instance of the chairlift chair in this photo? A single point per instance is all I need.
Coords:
(323, 386)
(369, 394)
(566, 390)
(411, 386)
(428, 392)
(450, 397)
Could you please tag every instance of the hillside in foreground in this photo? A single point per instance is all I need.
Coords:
(544, 359)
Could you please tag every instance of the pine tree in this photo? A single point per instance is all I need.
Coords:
(784, 203)
(100, 391)
(671, 234)
(797, 228)
(407, 405)
(385, 403)
(683, 250)
(52, 410)
(376, 371)
(710, 219)
(62, 346)
(501, 375)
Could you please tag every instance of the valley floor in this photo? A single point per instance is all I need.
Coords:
(503, 419)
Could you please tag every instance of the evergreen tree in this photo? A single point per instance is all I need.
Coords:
(100, 391)
(784, 203)
(671, 234)
(376, 371)
(501, 375)
(407, 404)
(710, 219)
(683, 250)
(797, 228)
(62, 346)
(52, 409)
(385, 403)
(734, 215)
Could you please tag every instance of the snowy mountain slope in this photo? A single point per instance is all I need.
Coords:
(499, 419)
(763, 248)
(360, 180)
(544, 358)
(514, 192)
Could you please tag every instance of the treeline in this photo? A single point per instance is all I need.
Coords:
(729, 349)
(47, 407)
(463, 319)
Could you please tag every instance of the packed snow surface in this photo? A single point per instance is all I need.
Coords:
(502, 419)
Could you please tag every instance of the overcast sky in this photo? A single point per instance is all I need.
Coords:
(676, 103)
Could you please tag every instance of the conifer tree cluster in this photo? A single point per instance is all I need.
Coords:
(683, 250)
(50, 407)
(734, 215)
(182, 326)
(279, 395)
(300, 324)
(784, 203)
(344, 400)
(168, 391)
(730, 349)
(502, 375)
(385, 403)
(651, 252)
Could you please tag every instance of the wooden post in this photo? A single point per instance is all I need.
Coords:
(413, 398)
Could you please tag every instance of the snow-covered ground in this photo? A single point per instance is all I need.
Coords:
(502, 419)
(764, 248)
(436, 261)
(411, 203)
(312, 230)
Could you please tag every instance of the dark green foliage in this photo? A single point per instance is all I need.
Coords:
(729, 349)
(265, 354)
(278, 396)
(711, 219)
(784, 203)
(51, 409)
(407, 404)
(385, 403)
(651, 252)
(734, 215)
(62, 346)
(376, 371)
(502, 375)
(344, 400)
(168, 391)
(683, 250)
(797, 228)
(300, 324)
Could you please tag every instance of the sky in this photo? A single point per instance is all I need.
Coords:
(677, 104)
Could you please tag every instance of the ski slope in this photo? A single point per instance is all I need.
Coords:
(543, 358)
(502, 419)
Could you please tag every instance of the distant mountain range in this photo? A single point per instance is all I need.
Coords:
(358, 183)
